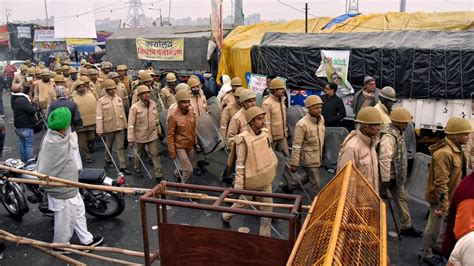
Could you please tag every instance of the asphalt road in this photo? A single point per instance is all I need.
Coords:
(125, 230)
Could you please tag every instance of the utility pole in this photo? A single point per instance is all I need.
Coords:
(352, 6)
(403, 5)
(7, 14)
(135, 13)
(169, 14)
(46, 11)
(238, 13)
(305, 17)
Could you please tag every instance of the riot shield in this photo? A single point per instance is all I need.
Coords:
(417, 182)
(164, 122)
(332, 140)
(293, 115)
(208, 134)
(214, 109)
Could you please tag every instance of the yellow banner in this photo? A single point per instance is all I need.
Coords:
(160, 49)
(78, 41)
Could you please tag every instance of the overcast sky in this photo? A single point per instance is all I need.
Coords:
(22, 10)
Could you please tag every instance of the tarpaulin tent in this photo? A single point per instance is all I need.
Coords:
(419, 65)
(235, 59)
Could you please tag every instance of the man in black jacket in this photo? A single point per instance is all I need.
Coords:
(333, 107)
(24, 120)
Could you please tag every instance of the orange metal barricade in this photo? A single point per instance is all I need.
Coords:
(346, 225)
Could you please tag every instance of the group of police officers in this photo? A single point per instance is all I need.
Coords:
(120, 110)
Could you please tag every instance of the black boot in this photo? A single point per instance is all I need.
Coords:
(198, 171)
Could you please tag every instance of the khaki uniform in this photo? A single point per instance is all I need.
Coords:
(128, 84)
(122, 92)
(69, 83)
(237, 125)
(111, 122)
(255, 169)
(448, 166)
(87, 105)
(307, 151)
(199, 104)
(227, 99)
(360, 149)
(275, 120)
(143, 127)
(393, 164)
(44, 93)
(181, 138)
(385, 115)
(168, 97)
(92, 89)
(103, 76)
(98, 87)
(154, 96)
(227, 114)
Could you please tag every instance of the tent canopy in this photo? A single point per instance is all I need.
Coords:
(423, 65)
(235, 59)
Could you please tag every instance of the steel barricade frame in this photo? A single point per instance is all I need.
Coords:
(157, 197)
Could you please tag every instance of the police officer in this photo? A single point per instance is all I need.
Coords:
(143, 128)
(229, 111)
(275, 115)
(181, 136)
(198, 100)
(95, 82)
(111, 122)
(448, 166)
(147, 80)
(106, 67)
(238, 123)
(90, 86)
(167, 93)
(360, 146)
(87, 104)
(308, 142)
(121, 90)
(20, 78)
(72, 78)
(255, 165)
(393, 163)
(44, 92)
(60, 81)
(228, 98)
(387, 99)
(122, 71)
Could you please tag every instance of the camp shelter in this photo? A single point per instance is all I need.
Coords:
(235, 59)
(419, 65)
(121, 46)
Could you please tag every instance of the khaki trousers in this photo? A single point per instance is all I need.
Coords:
(400, 198)
(281, 145)
(311, 177)
(84, 137)
(186, 160)
(117, 137)
(153, 148)
(265, 229)
(433, 236)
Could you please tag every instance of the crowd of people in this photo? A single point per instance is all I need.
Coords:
(110, 106)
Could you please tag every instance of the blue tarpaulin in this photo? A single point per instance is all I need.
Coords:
(89, 48)
(339, 19)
